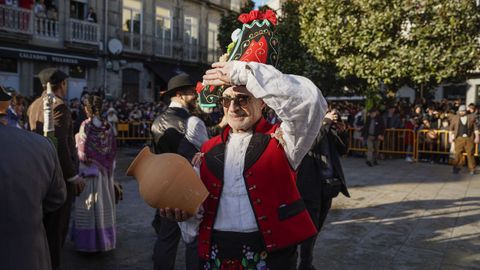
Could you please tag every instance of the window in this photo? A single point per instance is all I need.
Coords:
(78, 10)
(163, 32)
(455, 91)
(8, 64)
(132, 24)
(213, 54)
(9, 77)
(477, 89)
(190, 38)
(77, 72)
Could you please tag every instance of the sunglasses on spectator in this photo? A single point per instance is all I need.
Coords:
(240, 100)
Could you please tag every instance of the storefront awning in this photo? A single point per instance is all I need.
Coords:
(162, 70)
(52, 57)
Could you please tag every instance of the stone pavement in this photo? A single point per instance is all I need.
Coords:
(400, 216)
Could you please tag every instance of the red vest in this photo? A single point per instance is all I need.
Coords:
(279, 210)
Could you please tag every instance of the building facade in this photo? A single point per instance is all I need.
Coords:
(127, 48)
(468, 91)
(276, 5)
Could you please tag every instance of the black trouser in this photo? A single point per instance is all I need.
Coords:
(318, 212)
(165, 250)
(283, 259)
(56, 227)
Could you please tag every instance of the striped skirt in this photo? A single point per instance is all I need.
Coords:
(93, 228)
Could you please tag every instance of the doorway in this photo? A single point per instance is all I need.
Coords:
(130, 84)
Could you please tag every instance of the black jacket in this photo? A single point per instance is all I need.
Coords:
(309, 179)
(379, 127)
(168, 133)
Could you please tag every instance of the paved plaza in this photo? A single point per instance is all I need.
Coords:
(400, 216)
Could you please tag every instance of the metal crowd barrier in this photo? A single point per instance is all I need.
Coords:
(408, 142)
(133, 131)
(355, 144)
(433, 142)
(436, 142)
(396, 141)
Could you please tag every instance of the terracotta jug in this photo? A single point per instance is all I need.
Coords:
(168, 180)
(4, 106)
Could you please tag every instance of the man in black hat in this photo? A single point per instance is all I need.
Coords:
(176, 131)
(56, 223)
(4, 104)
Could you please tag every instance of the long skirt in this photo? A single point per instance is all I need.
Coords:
(93, 227)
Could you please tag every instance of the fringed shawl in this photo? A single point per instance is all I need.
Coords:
(97, 144)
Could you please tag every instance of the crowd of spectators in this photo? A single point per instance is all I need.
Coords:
(402, 114)
(142, 114)
(432, 116)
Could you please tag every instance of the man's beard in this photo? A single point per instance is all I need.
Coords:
(191, 106)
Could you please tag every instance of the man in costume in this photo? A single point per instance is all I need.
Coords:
(321, 178)
(176, 131)
(254, 216)
(56, 223)
(464, 133)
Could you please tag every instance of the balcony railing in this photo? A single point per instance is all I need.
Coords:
(163, 47)
(17, 20)
(213, 55)
(190, 52)
(132, 42)
(83, 32)
(46, 28)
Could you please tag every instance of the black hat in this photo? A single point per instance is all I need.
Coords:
(4, 96)
(52, 75)
(179, 81)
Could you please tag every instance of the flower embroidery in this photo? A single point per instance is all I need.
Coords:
(250, 260)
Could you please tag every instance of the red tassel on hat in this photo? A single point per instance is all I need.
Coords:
(258, 15)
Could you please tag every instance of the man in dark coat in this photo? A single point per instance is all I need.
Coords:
(31, 185)
(372, 132)
(56, 223)
(176, 131)
(320, 178)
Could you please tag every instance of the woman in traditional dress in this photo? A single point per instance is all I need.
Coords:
(94, 222)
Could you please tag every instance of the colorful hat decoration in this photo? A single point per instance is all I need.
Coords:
(255, 42)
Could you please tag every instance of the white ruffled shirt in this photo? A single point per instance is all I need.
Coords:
(235, 212)
(301, 107)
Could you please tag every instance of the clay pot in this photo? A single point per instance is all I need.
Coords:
(4, 106)
(168, 180)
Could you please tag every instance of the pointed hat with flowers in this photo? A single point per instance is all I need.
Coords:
(255, 42)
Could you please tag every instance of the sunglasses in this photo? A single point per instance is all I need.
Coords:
(240, 100)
